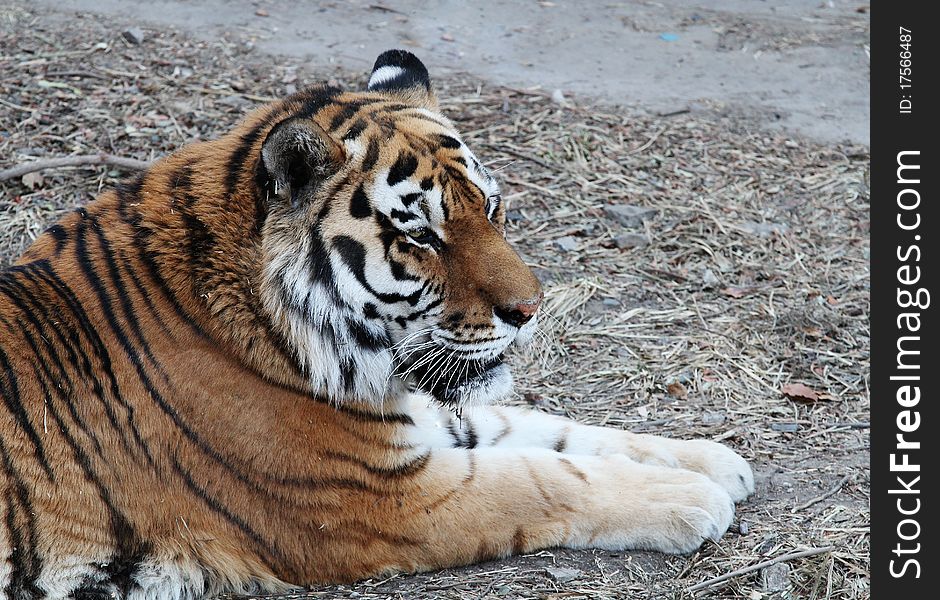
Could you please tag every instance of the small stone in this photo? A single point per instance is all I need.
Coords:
(32, 180)
(743, 528)
(709, 279)
(503, 590)
(611, 302)
(567, 243)
(514, 216)
(713, 418)
(559, 98)
(261, 12)
(628, 215)
(134, 35)
(562, 575)
(631, 240)
(775, 578)
(785, 427)
(764, 229)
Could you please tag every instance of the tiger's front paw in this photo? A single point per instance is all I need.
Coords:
(719, 463)
(659, 508)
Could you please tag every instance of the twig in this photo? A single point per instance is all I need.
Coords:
(18, 107)
(648, 143)
(737, 573)
(521, 155)
(73, 161)
(835, 489)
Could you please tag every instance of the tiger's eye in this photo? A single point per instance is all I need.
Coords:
(422, 235)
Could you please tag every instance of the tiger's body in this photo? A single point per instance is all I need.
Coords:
(237, 373)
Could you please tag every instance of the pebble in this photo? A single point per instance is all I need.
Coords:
(775, 578)
(629, 215)
(567, 243)
(562, 575)
(631, 240)
(134, 35)
(785, 427)
(709, 279)
(713, 418)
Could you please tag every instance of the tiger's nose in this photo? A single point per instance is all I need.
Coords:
(519, 314)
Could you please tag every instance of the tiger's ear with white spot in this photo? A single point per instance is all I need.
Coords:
(298, 155)
(402, 75)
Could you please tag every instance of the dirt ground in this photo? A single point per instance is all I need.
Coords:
(739, 272)
(799, 65)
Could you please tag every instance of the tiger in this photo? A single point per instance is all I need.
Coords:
(275, 360)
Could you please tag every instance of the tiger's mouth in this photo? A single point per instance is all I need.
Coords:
(457, 381)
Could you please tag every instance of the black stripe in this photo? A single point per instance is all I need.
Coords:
(141, 236)
(321, 269)
(366, 338)
(375, 417)
(359, 206)
(144, 293)
(24, 546)
(405, 166)
(353, 254)
(399, 272)
(409, 199)
(90, 332)
(91, 275)
(372, 155)
(355, 130)
(471, 435)
(130, 313)
(347, 371)
(14, 403)
(370, 311)
(60, 235)
(447, 141)
(409, 468)
(270, 550)
(402, 216)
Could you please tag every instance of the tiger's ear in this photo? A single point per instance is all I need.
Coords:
(297, 155)
(400, 74)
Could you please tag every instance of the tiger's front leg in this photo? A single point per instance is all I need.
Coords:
(469, 505)
(512, 427)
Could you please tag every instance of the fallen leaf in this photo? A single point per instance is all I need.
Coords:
(677, 390)
(532, 398)
(32, 180)
(800, 392)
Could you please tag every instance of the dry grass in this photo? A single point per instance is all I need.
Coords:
(755, 275)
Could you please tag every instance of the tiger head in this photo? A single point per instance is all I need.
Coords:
(385, 265)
